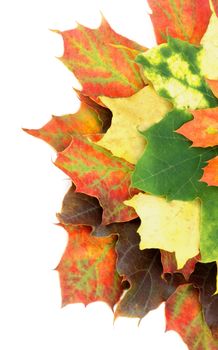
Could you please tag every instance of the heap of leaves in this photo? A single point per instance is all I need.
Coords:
(141, 153)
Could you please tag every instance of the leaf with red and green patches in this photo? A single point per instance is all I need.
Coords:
(186, 20)
(80, 209)
(141, 268)
(102, 61)
(169, 263)
(203, 129)
(87, 269)
(184, 315)
(90, 120)
(96, 172)
(210, 175)
(204, 278)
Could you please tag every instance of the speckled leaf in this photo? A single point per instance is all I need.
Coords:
(204, 278)
(141, 268)
(203, 129)
(96, 172)
(175, 71)
(172, 226)
(184, 315)
(90, 120)
(102, 61)
(187, 20)
(80, 209)
(88, 268)
(174, 171)
(210, 175)
(141, 110)
(169, 263)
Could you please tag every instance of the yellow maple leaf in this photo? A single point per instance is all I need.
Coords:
(131, 114)
(172, 226)
(209, 42)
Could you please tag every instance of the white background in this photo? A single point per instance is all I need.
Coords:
(33, 86)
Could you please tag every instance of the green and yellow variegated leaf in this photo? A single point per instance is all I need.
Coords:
(175, 71)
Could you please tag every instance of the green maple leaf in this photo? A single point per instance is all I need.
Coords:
(175, 71)
(170, 167)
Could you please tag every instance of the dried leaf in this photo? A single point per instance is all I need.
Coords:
(141, 268)
(80, 209)
(204, 278)
(96, 172)
(169, 263)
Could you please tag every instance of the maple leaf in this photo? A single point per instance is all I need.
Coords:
(91, 120)
(210, 175)
(102, 61)
(169, 264)
(209, 42)
(174, 171)
(184, 315)
(96, 172)
(180, 19)
(142, 109)
(87, 269)
(203, 129)
(175, 71)
(171, 226)
(78, 208)
(204, 278)
(141, 268)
